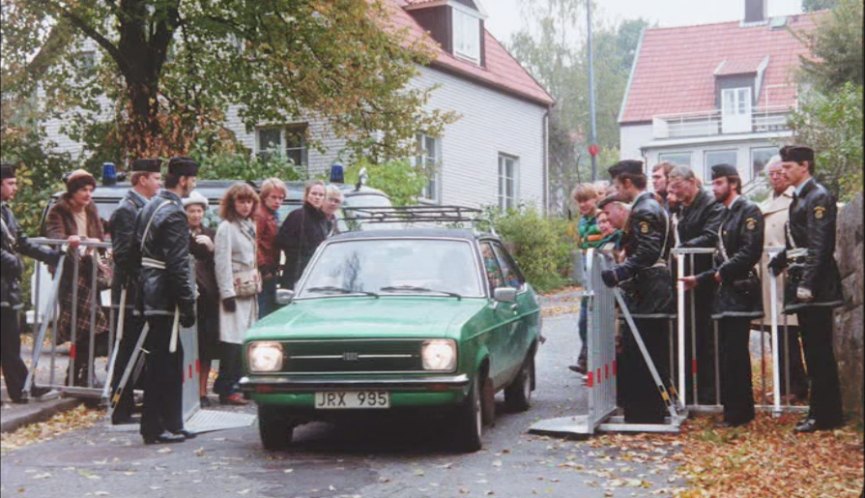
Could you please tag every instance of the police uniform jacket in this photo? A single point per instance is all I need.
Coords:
(812, 227)
(698, 227)
(122, 226)
(164, 278)
(647, 239)
(741, 239)
(15, 243)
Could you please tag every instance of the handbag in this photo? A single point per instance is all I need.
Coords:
(104, 271)
(247, 283)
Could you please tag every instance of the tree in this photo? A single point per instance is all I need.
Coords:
(169, 69)
(812, 5)
(836, 48)
(552, 47)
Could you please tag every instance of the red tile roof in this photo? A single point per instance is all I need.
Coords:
(675, 67)
(501, 70)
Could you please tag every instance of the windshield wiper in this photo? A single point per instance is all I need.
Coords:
(341, 290)
(412, 288)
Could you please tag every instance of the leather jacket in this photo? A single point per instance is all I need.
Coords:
(698, 227)
(167, 244)
(15, 244)
(299, 236)
(647, 240)
(812, 227)
(122, 226)
(741, 239)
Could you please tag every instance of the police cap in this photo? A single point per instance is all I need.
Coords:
(7, 171)
(611, 199)
(147, 165)
(797, 153)
(723, 171)
(183, 166)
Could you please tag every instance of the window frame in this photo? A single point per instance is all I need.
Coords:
(462, 20)
(285, 132)
(662, 158)
(707, 168)
(431, 165)
(504, 201)
(752, 150)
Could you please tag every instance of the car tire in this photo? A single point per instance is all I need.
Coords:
(518, 395)
(469, 420)
(274, 427)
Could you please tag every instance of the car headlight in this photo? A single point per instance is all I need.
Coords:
(265, 356)
(439, 355)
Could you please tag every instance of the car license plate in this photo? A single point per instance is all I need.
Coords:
(345, 400)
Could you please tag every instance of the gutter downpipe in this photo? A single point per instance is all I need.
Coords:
(546, 159)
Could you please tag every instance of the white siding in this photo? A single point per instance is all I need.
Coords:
(491, 123)
(632, 138)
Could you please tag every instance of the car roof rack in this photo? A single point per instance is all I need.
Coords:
(455, 215)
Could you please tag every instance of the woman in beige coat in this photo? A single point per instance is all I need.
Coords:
(239, 283)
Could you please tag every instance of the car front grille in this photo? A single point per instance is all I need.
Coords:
(343, 356)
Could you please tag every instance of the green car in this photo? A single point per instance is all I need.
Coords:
(382, 321)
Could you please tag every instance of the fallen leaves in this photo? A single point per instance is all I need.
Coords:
(79, 417)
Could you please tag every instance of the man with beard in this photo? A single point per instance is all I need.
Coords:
(649, 293)
(738, 299)
(698, 220)
(813, 285)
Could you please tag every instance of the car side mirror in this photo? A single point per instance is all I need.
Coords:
(505, 294)
(284, 296)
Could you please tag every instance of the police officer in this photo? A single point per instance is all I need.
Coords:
(15, 243)
(739, 298)
(698, 221)
(813, 284)
(166, 295)
(644, 273)
(145, 180)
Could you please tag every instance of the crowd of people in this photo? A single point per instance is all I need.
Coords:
(170, 270)
(639, 228)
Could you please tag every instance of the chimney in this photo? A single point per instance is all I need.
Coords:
(755, 11)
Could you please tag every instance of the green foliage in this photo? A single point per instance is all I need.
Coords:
(812, 5)
(400, 180)
(836, 48)
(553, 48)
(832, 125)
(170, 70)
(540, 245)
(220, 164)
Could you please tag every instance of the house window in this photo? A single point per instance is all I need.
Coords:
(467, 35)
(736, 110)
(678, 158)
(509, 167)
(714, 157)
(428, 157)
(288, 141)
(760, 158)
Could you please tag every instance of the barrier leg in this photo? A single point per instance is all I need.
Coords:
(680, 324)
(776, 370)
(73, 332)
(40, 336)
(717, 365)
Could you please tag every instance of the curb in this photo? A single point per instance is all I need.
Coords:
(36, 411)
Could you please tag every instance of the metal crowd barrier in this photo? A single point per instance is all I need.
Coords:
(778, 405)
(45, 317)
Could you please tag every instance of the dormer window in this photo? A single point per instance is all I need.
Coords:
(467, 35)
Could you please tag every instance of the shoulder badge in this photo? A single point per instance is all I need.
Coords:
(644, 227)
(819, 211)
(750, 223)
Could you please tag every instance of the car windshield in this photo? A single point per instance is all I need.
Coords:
(399, 267)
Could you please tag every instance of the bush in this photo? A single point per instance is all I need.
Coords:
(400, 180)
(540, 245)
(220, 163)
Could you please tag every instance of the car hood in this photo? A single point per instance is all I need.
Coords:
(368, 317)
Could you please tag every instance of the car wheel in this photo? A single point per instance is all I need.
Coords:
(518, 395)
(274, 427)
(469, 420)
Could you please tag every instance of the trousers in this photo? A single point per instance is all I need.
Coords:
(14, 369)
(815, 324)
(131, 332)
(737, 393)
(641, 399)
(163, 380)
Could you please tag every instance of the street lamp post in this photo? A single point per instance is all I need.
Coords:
(593, 131)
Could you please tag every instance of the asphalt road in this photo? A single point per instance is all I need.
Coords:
(364, 459)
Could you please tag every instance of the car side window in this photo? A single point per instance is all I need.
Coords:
(510, 274)
(495, 277)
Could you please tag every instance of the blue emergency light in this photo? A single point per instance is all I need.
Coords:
(336, 173)
(109, 174)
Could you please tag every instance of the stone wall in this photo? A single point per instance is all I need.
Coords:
(848, 319)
